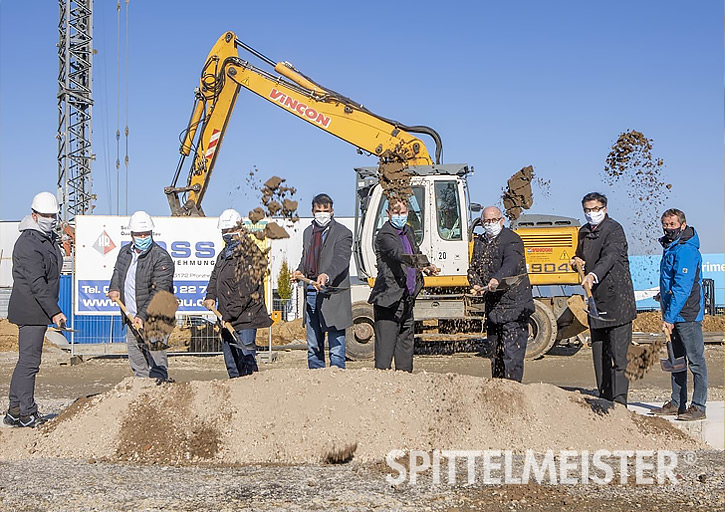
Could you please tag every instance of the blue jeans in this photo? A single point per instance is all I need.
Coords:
(240, 362)
(687, 341)
(316, 329)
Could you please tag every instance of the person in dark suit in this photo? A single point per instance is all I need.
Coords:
(396, 286)
(326, 251)
(602, 251)
(499, 253)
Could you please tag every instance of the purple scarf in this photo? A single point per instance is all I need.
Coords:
(407, 249)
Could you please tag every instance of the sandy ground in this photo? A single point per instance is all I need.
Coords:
(208, 482)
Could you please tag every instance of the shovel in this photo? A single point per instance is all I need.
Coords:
(324, 288)
(228, 327)
(591, 305)
(63, 328)
(139, 332)
(505, 284)
(672, 365)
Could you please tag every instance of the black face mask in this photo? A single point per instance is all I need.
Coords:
(672, 234)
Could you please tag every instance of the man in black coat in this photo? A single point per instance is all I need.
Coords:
(326, 251)
(143, 268)
(37, 262)
(499, 253)
(396, 287)
(240, 297)
(602, 251)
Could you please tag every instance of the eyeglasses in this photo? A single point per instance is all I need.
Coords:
(491, 221)
(595, 209)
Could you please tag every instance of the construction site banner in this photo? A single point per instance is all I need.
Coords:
(192, 242)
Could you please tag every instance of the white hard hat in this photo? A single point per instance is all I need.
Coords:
(140, 222)
(229, 219)
(45, 202)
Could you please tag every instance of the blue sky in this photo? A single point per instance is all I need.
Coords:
(506, 84)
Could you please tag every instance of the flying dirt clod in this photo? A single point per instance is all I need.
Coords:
(518, 195)
(161, 319)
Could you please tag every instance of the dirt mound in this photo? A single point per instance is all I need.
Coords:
(651, 321)
(9, 337)
(283, 333)
(365, 413)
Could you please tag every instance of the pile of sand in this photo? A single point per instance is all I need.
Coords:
(9, 337)
(651, 321)
(300, 416)
(182, 337)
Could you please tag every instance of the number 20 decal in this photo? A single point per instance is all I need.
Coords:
(441, 255)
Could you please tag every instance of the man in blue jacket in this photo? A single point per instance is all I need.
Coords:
(682, 302)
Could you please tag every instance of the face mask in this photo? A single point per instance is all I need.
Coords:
(595, 218)
(229, 237)
(47, 224)
(492, 230)
(142, 243)
(399, 220)
(672, 234)
(322, 218)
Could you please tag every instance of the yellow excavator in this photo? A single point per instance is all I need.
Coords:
(442, 215)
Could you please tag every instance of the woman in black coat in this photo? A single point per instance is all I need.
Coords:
(240, 295)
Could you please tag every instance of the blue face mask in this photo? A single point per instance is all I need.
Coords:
(398, 220)
(142, 243)
(228, 237)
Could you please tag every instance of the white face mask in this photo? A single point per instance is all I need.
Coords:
(47, 224)
(323, 218)
(595, 218)
(492, 230)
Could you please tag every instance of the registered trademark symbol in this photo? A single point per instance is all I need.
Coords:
(690, 457)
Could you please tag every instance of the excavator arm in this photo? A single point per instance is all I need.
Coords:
(222, 77)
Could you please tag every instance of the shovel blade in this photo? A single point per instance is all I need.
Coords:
(676, 366)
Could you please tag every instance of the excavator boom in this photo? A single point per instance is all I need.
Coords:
(224, 74)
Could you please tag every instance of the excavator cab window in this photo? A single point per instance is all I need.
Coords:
(448, 207)
(415, 214)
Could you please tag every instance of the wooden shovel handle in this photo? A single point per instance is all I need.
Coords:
(123, 309)
(308, 281)
(580, 271)
(226, 325)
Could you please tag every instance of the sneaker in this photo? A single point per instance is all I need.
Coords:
(12, 417)
(32, 421)
(667, 409)
(692, 414)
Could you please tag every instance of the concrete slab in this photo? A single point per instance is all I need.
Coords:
(711, 430)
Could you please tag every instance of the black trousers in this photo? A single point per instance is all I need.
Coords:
(22, 383)
(394, 330)
(508, 344)
(609, 352)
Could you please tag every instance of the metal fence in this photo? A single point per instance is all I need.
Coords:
(193, 334)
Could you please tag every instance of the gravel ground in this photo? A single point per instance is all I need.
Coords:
(71, 485)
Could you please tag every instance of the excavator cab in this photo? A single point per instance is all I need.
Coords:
(437, 214)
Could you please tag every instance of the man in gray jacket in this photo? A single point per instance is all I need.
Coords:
(327, 246)
(143, 268)
(37, 261)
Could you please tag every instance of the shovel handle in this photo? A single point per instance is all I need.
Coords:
(129, 316)
(309, 282)
(226, 325)
(580, 271)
